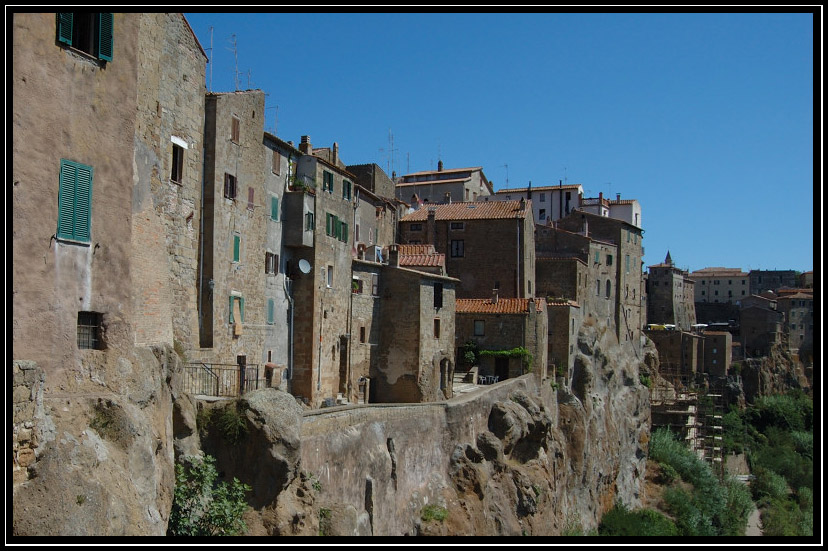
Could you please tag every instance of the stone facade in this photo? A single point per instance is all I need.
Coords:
(771, 280)
(487, 245)
(720, 285)
(670, 296)
(443, 186)
(761, 329)
(549, 203)
(718, 353)
(565, 318)
(503, 324)
(680, 353)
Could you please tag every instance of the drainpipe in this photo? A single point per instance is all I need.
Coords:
(201, 238)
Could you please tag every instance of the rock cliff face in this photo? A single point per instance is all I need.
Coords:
(524, 456)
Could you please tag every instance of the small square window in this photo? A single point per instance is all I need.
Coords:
(90, 330)
(458, 225)
(229, 186)
(479, 328)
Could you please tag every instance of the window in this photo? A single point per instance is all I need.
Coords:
(597, 257)
(542, 214)
(609, 288)
(415, 227)
(438, 295)
(327, 181)
(250, 195)
(346, 190)
(270, 309)
(717, 293)
(236, 309)
(177, 163)
(457, 225)
(274, 208)
(236, 247)
(436, 328)
(74, 201)
(271, 263)
(330, 276)
(702, 293)
(375, 284)
(609, 260)
(356, 286)
(89, 330)
(479, 328)
(309, 221)
(743, 292)
(457, 248)
(88, 32)
(275, 166)
(627, 263)
(542, 197)
(234, 130)
(362, 334)
(229, 186)
(597, 287)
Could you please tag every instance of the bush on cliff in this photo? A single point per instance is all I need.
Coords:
(200, 506)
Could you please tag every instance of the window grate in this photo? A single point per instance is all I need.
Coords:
(89, 330)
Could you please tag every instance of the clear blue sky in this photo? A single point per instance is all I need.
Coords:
(706, 119)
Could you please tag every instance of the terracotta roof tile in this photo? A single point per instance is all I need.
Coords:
(503, 306)
(423, 260)
(481, 210)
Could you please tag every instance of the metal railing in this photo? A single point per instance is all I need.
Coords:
(222, 380)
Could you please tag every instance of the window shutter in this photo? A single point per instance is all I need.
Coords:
(236, 243)
(64, 26)
(83, 203)
(344, 232)
(327, 224)
(250, 195)
(232, 320)
(66, 201)
(274, 208)
(105, 28)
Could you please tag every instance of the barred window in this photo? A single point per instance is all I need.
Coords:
(89, 330)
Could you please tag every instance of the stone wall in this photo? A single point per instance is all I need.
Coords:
(27, 417)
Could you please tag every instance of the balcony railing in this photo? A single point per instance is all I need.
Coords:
(222, 380)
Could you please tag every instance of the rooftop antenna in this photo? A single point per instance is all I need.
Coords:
(507, 174)
(235, 51)
(408, 163)
(391, 149)
(267, 95)
(248, 80)
(211, 59)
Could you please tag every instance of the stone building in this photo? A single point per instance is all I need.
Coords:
(549, 203)
(423, 258)
(670, 294)
(760, 328)
(565, 318)
(488, 245)
(414, 359)
(798, 309)
(373, 178)
(680, 354)
(771, 280)
(623, 269)
(718, 353)
(720, 285)
(113, 122)
(627, 210)
(443, 186)
(503, 324)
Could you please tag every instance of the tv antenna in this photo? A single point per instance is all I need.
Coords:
(507, 174)
(235, 51)
(210, 89)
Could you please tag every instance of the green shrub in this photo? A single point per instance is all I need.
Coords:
(768, 485)
(646, 381)
(433, 512)
(620, 521)
(232, 423)
(324, 521)
(739, 505)
(201, 507)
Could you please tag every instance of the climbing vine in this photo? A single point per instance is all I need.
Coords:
(517, 352)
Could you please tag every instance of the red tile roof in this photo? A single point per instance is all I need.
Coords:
(444, 171)
(503, 306)
(562, 302)
(415, 249)
(481, 210)
(432, 182)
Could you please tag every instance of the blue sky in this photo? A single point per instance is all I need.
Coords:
(706, 119)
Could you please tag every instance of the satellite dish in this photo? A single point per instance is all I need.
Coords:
(304, 266)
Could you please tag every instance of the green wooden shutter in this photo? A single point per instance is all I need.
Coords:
(236, 244)
(241, 299)
(231, 309)
(83, 203)
(74, 201)
(64, 27)
(344, 232)
(105, 43)
(274, 208)
(270, 310)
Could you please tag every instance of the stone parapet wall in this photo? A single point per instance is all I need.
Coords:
(27, 405)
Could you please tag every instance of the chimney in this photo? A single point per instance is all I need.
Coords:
(431, 226)
(439, 166)
(494, 296)
(618, 197)
(522, 203)
(393, 174)
(448, 197)
(335, 159)
(600, 197)
(305, 145)
(393, 256)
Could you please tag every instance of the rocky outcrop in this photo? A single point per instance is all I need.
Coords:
(103, 464)
(776, 373)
